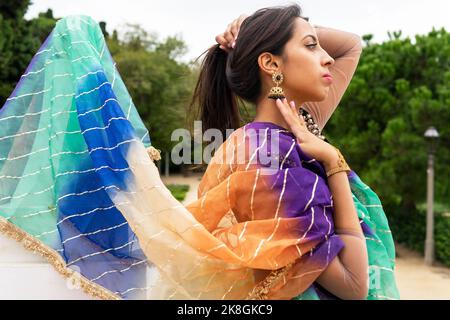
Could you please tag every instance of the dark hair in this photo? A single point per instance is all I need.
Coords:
(226, 77)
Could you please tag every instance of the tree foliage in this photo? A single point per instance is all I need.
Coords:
(399, 90)
(159, 84)
(17, 44)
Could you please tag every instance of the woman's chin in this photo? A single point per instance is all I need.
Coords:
(320, 96)
(316, 96)
(324, 94)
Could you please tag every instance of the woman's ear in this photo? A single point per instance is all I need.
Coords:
(269, 63)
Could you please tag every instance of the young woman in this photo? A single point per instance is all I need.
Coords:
(308, 71)
(78, 185)
(315, 65)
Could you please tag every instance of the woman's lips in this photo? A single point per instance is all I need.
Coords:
(328, 78)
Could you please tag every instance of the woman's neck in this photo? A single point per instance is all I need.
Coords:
(267, 111)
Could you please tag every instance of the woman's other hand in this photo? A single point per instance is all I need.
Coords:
(309, 142)
(228, 38)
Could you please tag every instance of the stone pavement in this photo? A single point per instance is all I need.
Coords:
(415, 280)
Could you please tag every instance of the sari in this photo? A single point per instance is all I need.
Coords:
(79, 186)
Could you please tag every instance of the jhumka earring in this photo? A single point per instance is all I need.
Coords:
(277, 92)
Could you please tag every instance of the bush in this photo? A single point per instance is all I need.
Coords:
(178, 190)
(409, 228)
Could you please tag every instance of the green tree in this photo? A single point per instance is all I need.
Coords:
(158, 82)
(17, 44)
(397, 92)
(43, 25)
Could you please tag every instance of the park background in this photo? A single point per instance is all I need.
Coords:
(400, 88)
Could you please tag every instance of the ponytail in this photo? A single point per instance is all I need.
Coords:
(216, 102)
(228, 78)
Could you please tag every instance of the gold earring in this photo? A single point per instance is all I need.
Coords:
(277, 92)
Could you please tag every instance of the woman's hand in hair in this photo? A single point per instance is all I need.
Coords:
(228, 38)
(312, 145)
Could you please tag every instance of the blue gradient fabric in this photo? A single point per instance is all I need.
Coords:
(67, 121)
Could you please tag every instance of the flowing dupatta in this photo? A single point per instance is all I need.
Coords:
(79, 187)
(51, 197)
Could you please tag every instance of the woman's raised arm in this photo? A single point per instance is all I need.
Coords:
(345, 48)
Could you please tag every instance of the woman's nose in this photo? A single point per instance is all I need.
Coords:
(328, 60)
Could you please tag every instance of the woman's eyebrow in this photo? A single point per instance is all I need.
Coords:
(310, 35)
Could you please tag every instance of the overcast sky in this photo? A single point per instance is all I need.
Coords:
(199, 21)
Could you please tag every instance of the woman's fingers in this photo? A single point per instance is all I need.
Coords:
(220, 39)
(286, 111)
(224, 40)
(234, 29)
(293, 109)
(237, 27)
(284, 108)
(295, 123)
(228, 38)
(228, 35)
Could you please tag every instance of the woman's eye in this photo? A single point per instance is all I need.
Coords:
(312, 45)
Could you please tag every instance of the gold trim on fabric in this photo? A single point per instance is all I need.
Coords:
(155, 154)
(261, 290)
(54, 258)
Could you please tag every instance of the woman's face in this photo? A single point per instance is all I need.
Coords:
(304, 64)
